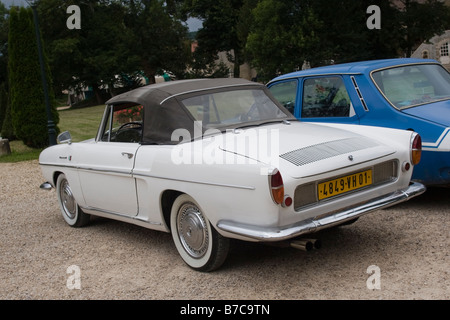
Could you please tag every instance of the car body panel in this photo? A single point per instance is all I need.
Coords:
(371, 108)
(438, 112)
(108, 164)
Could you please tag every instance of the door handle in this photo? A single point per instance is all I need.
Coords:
(129, 155)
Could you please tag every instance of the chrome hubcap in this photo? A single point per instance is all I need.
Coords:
(192, 230)
(67, 200)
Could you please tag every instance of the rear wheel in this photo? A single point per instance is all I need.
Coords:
(199, 244)
(70, 210)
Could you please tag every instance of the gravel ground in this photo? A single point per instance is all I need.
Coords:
(403, 249)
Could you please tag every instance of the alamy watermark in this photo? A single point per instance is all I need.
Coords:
(251, 146)
(74, 278)
(374, 20)
(74, 20)
(374, 280)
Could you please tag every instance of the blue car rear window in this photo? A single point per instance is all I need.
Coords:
(412, 85)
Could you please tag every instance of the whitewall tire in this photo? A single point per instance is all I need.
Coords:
(70, 210)
(198, 243)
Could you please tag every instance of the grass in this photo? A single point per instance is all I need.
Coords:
(20, 152)
(81, 123)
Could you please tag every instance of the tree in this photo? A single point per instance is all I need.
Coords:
(420, 21)
(345, 37)
(3, 62)
(94, 55)
(28, 110)
(284, 34)
(225, 28)
(158, 37)
(7, 130)
(117, 41)
(3, 104)
(3, 43)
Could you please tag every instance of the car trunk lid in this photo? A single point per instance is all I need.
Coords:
(321, 149)
(438, 112)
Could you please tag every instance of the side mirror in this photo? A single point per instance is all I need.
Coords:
(64, 137)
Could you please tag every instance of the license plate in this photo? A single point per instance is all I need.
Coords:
(344, 184)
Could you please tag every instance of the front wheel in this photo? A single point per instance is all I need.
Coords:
(70, 210)
(200, 245)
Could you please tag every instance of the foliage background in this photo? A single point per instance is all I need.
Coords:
(122, 42)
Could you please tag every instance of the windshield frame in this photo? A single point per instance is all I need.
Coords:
(412, 105)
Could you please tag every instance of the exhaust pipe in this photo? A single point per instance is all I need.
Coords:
(316, 243)
(306, 244)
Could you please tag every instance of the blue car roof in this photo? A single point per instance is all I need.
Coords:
(360, 67)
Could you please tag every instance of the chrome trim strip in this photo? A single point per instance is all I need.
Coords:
(103, 123)
(198, 182)
(313, 75)
(350, 165)
(359, 93)
(271, 234)
(154, 176)
(117, 216)
(86, 168)
(128, 173)
(56, 165)
(206, 89)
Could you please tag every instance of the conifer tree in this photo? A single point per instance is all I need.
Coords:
(7, 128)
(27, 103)
(3, 101)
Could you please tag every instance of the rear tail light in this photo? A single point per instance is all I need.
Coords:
(416, 148)
(276, 186)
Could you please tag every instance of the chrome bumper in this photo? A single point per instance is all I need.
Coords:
(315, 224)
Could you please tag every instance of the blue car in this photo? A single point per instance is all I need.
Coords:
(411, 94)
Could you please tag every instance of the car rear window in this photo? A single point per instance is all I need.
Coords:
(412, 85)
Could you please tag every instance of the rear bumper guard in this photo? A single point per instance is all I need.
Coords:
(271, 234)
(46, 186)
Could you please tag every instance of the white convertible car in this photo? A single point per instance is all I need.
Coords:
(214, 159)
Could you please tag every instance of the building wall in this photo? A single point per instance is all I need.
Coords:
(245, 70)
(437, 48)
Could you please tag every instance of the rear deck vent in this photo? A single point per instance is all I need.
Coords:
(327, 150)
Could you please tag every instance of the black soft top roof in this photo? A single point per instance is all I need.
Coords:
(161, 91)
(163, 111)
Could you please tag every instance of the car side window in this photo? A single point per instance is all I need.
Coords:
(326, 97)
(124, 124)
(286, 93)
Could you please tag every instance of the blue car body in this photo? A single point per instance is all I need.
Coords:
(410, 94)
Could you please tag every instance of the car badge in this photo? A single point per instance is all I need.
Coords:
(350, 157)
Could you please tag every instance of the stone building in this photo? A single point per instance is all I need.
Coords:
(436, 48)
